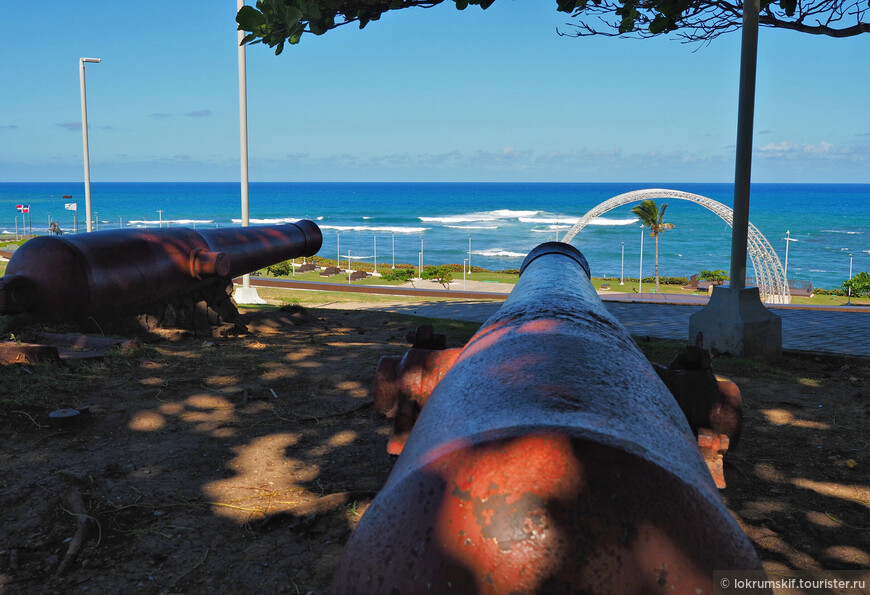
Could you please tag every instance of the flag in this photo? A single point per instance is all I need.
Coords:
(71, 206)
(23, 208)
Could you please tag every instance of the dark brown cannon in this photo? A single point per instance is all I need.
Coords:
(550, 458)
(86, 274)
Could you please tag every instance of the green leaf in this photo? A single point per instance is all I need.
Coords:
(789, 6)
(461, 4)
(248, 38)
(484, 4)
(658, 25)
(292, 15)
(250, 18)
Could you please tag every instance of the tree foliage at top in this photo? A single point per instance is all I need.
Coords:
(276, 22)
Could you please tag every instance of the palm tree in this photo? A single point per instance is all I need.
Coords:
(653, 217)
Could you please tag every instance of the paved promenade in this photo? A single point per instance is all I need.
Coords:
(840, 329)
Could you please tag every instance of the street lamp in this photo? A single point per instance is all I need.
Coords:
(787, 240)
(469, 253)
(640, 278)
(338, 249)
(394, 249)
(85, 135)
(376, 255)
(622, 269)
(348, 267)
(850, 279)
(464, 262)
(160, 217)
(245, 294)
(421, 257)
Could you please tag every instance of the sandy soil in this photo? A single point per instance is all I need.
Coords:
(241, 465)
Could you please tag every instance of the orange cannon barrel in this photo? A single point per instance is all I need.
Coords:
(83, 274)
(550, 458)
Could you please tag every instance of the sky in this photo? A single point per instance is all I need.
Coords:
(421, 95)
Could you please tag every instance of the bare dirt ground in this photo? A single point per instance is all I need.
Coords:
(241, 465)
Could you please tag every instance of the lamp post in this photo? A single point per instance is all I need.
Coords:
(622, 268)
(376, 254)
(160, 218)
(469, 253)
(421, 257)
(96, 221)
(850, 279)
(245, 294)
(464, 287)
(337, 249)
(787, 240)
(85, 134)
(394, 249)
(348, 267)
(640, 278)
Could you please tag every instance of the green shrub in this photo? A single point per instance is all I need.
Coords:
(717, 276)
(441, 274)
(859, 284)
(281, 269)
(399, 274)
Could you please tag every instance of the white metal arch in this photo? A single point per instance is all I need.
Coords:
(769, 274)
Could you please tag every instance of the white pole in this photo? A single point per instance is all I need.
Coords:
(160, 220)
(245, 294)
(394, 249)
(337, 249)
(16, 228)
(376, 253)
(850, 278)
(464, 287)
(785, 273)
(85, 135)
(96, 221)
(469, 253)
(121, 223)
(622, 269)
(640, 279)
(421, 257)
(243, 136)
(348, 267)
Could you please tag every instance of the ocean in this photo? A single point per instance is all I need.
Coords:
(495, 225)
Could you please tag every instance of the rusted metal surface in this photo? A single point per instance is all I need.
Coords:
(549, 459)
(417, 374)
(88, 273)
(712, 446)
(713, 407)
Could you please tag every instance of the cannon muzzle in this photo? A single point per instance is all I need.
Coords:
(550, 458)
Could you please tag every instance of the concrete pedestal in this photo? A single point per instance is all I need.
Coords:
(247, 295)
(736, 322)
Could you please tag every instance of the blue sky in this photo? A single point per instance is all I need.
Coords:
(422, 95)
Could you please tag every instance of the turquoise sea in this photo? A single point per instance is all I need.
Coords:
(502, 222)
